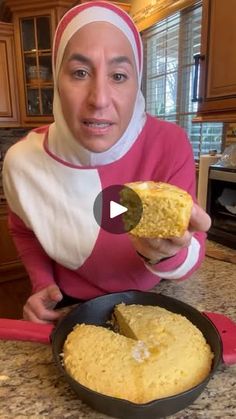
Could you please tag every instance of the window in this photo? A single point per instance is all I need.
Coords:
(169, 47)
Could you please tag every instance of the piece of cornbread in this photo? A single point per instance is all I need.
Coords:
(166, 209)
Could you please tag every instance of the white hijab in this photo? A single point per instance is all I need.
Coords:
(61, 142)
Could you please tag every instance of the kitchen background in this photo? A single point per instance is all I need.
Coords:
(173, 34)
(189, 78)
(186, 79)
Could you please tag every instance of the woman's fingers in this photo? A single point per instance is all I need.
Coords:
(199, 220)
(39, 314)
(40, 306)
(161, 248)
(54, 294)
(154, 249)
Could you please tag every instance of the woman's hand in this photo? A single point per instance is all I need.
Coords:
(39, 307)
(157, 249)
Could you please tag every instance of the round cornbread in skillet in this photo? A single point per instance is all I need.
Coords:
(166, 209)
(156, 354)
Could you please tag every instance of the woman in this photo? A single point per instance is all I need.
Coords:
(101, 137)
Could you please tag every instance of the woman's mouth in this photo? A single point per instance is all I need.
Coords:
(97, 124)
(97, 127)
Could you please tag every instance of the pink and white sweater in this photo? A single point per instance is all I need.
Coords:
(51, 213)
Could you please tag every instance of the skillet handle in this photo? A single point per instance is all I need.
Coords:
(227, 331)
(24, 330)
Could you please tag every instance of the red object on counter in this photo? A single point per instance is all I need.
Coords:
(227, 331)
(11, 329)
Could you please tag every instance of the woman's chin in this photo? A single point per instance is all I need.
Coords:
(98, 146)
(99, 149)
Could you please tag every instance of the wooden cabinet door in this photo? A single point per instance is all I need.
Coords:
(217, 90)
(15, 285)
(9, 113)
(34, 65)
(34, 27)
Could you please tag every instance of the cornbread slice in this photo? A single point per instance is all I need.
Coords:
(166, 209)
(158, 354)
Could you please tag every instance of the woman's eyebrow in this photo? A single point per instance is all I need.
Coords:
(86, 60)
(81, 58)
(120, 60)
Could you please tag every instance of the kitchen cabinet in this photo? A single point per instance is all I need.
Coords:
(34, 27)
(217, 83)
(123, 5)
(9, 109)
(15, 286)
(34, 24)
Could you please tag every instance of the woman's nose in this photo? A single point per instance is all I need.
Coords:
(99, 94)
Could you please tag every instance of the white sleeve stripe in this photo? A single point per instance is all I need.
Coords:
(187, 265)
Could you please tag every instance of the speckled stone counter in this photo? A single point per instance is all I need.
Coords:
(32, 387)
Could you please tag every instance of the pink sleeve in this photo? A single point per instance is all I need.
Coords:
(37, 263)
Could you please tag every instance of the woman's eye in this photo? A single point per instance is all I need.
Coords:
(80, 74)
(119, 77)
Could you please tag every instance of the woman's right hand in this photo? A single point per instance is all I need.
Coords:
(40, 306)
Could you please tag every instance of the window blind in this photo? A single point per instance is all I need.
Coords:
(169, 47)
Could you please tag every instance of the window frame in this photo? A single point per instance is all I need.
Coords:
(181, 117)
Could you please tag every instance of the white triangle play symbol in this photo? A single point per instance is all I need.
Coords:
(116, 209)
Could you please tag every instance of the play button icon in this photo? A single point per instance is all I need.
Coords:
(116, 209)
(110, 213)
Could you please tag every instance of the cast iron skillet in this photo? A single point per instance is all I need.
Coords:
(97, 311)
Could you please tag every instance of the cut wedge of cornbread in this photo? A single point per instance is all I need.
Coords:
(166, 209)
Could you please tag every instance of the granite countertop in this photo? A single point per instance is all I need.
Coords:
(31, 385)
